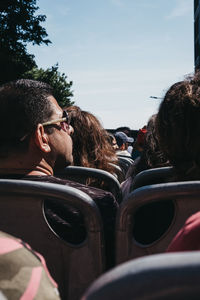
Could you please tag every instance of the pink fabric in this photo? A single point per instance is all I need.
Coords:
(33, 285)
(8, 245)
(46, 269)
(188, 238)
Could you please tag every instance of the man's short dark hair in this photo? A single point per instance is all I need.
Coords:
(23, 104)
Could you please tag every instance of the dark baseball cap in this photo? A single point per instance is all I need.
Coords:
(122, 138)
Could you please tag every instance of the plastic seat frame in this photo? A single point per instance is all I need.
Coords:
(160, 277)
(186, 199)
(22, 215)
(152, 176)
(80, 174)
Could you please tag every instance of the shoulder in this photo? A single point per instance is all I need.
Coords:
(19, 262)
(188, 237)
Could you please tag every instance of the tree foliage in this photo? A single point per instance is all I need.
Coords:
(19, 26)
(58, 81)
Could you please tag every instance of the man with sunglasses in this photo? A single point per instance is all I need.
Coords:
(37, 136)
(34, 141)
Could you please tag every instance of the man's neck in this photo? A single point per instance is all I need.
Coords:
(25, 166)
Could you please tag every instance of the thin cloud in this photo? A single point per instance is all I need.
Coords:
(182, 8)
(117, 2)
(63, 10)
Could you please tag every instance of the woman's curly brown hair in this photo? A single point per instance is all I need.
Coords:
(91, 147)
(178, 126)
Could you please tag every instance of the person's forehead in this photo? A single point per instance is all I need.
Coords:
(55, 106)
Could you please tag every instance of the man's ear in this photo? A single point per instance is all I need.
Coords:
(41, 139)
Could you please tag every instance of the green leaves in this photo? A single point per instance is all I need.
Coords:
(19, 26)
(58, 81)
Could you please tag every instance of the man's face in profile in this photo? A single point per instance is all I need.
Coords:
(60, 139)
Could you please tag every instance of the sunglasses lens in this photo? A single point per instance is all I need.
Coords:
(65, 115)
(65, 124)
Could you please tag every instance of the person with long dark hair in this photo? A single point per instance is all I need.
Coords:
(151, 157)
(178, 127)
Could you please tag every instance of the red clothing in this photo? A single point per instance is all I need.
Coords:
(188, 238)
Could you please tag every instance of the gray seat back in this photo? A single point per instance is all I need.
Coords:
(124, 163)
(73, 267)
(81, 174)
(150, 217)
(157, 277)
(152, 176)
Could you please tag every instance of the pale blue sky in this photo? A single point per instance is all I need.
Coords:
(118, 53)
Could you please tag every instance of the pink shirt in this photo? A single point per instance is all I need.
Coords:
(188, 238)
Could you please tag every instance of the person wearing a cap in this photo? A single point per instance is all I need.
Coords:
(123, 142)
